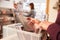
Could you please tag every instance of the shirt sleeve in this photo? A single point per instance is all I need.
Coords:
(54, 31)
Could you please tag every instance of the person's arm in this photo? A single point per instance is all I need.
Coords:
(54, 31)
(52, 28)
(31, 14)
(28, 15)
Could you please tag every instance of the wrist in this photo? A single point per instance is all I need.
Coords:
(44, 25)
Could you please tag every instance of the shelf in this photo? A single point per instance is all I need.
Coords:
(1, 34)
(6, 14)
(6, 18)
(11, 15)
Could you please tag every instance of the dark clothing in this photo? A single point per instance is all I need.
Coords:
(54, 29)
(58, 18)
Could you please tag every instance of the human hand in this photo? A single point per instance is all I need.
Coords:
(33, 23)
(45, 24)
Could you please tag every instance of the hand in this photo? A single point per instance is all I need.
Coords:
(45, 24)
(33, 23)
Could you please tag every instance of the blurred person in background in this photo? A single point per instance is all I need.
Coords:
(18, 8)
(32, 12)
(17, 11)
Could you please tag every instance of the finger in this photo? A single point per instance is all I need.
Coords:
(33, 21)
(30, 23)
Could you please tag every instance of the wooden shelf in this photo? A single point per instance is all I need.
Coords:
(6, 18)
